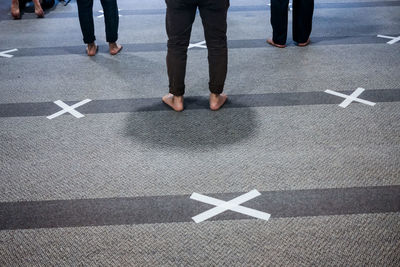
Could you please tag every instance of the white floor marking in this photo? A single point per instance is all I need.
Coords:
(233, 205)
(5, 53)
(70, 109)
(102, 13)
(393, 41)
(289, 8)
(351, 98)
(199, 44)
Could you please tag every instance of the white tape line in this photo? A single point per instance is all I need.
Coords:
(199, 44)
(5, 53)
(351, 98)
(233, 205)
(393, 41)
(70, 109)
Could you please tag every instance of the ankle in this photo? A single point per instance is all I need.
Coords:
(178, 99)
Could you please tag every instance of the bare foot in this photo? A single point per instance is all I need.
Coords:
(175, 102)
(114, 48)
(271, 42)
(217, 101)
(38, 9)
(92, 49)
(15, 9)
(304, 44)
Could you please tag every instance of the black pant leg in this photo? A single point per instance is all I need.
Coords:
(279, 20)
(47, 4)
(302, 19)
(179, 19)
(111, 19)
(214, 15)
(85, 12)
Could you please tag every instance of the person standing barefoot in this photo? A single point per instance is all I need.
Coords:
(302, 22)
(38, 9)
(15, 12)
(111, 20)
(179, 20)
(17, 4)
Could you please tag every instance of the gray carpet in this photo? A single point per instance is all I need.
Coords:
(113, 188)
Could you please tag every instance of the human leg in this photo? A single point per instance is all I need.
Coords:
(302, 21)
(214, 16)
(179, 19)
(46, 4)
(85, 12)
(15, 11)
(38, 9)
(279, 21)
(111, 20)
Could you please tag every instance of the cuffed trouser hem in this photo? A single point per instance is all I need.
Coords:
(177, 92)
(112, 40)
(216, 89)
(89, 41)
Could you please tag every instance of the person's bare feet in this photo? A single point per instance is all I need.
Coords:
(92, 49)
(175, 102)
(38, 9)
(271, 42)
(304, 44)
(217, 101)
(114, 48)
(15, 9)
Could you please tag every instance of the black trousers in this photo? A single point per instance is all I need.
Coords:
(302, 20)
(111, 19)
(179, 20)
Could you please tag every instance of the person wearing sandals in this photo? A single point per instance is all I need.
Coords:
(111, 20)
(18, 5)
(179, 20)
(302, 22)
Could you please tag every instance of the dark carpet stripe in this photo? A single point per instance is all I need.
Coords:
(232, 44)
(193, 103)
(180, 208)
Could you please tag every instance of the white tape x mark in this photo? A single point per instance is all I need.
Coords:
(233, 205)
(70, 109)
(199, 44)
(5, 53)
(351, 98)
(393, 41)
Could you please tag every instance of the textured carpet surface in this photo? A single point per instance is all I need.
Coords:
(112, 188)
(362, 240)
